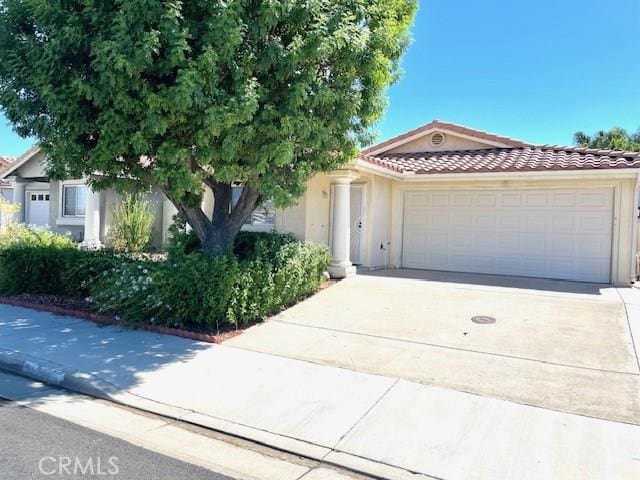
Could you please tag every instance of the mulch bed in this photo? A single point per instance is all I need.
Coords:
(73, 307)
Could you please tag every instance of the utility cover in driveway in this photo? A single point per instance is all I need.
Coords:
(547, 233)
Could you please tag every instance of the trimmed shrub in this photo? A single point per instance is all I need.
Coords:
(208, 293)
(204, 293)
(37, 260)
(85, 266)
(191, 291)
(33, 259)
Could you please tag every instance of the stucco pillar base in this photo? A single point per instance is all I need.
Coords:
(341, 271)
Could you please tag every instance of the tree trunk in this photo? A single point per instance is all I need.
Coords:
(218, 233)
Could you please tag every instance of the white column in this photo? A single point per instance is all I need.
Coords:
(341, 266)
(92, 220)
(19, 198)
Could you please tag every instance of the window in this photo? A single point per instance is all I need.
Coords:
(263, 216)
(74, 200)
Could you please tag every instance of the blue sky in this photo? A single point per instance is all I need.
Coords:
(536, 70)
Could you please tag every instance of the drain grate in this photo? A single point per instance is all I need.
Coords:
(483, 320)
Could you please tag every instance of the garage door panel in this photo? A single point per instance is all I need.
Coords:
(536, 200)
(565, 223)
(510, 221)
(486, 200)
(485, 241)
(563, 245)
(535, 223)
(461, 240)
(510, 199)
(417, 199)
(593, 222)
(565, 199)
(594, 199)
(463, 200)
(462, 220)
(440, 200)
(549, 233)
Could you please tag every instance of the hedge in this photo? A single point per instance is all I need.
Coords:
(265, 273)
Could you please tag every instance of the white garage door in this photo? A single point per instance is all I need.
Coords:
(546, 233)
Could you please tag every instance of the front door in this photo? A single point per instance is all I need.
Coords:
(38, 212)
(357, 219)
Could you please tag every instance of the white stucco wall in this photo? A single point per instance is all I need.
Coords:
(34, 168)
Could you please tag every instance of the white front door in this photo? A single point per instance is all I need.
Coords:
(357, 219)
(38, 208)
(548, 233)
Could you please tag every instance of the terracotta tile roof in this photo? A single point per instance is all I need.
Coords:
(522, 159)
(451, 127)
(4, 161)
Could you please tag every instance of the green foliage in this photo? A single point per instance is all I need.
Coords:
(206, 293)
(203, 293)
(84, 268)
(191, 291)
(260, 245)
(614, 139)
(132, 227)
(262, 93)
(277, 278)
(36, 260)
(32, 258)
(17, 234)
(181, 239)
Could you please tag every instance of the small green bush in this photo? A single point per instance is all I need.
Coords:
(132, 227)
(31, 236)
(32, 260)
(37, 260)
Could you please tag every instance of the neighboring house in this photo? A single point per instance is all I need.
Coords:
(441, 197)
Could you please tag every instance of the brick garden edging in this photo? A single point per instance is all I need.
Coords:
(107, 320)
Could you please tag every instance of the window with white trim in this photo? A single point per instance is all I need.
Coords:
(263, 216)
(74, 200)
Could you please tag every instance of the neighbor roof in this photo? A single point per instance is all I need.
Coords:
(5, 161)
(9, 168)
(520, 159)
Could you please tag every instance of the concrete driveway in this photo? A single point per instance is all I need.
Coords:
(560, 345)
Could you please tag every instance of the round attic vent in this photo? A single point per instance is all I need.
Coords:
(438, 139)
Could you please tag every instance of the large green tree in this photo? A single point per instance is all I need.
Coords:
(180, 94)
(614, 139)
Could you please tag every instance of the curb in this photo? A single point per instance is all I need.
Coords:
(88, 384)
(55, 374)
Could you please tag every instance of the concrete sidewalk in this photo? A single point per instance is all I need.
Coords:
(377, 425)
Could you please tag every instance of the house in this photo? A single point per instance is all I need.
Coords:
(440, 197)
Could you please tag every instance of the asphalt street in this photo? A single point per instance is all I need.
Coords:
(34, 445)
